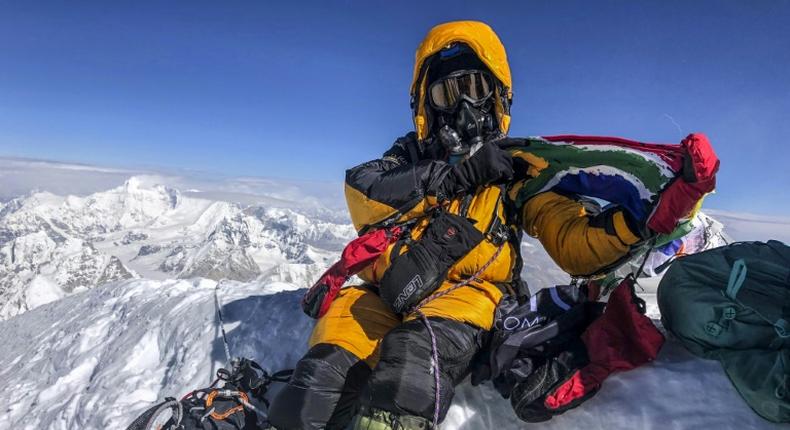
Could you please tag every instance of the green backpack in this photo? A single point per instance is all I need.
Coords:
(732, 304)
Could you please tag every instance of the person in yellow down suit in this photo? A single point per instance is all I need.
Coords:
(387, 354)
(370, 357)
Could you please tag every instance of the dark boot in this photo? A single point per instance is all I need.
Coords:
(377, 419)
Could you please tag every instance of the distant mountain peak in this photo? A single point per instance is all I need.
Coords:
(63, 244)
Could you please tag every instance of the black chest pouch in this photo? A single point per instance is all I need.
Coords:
(418, 272)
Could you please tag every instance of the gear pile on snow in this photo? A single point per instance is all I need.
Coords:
(553, 353)
(234, 401)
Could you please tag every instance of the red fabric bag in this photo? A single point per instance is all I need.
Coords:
(356, 256)
(621, 339)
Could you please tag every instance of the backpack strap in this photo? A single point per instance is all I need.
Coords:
(465, 204)
(405, 239)
(737, 276)
(413, 153)
(736, 280)
(497, 232)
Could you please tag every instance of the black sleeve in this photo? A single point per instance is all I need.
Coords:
(394, 185)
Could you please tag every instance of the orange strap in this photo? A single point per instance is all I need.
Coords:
(222, 416)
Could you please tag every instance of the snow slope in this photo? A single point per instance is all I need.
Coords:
(96, 359)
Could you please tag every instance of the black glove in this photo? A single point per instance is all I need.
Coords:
(486, 166)
(541, 377)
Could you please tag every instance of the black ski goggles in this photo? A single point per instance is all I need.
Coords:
(474, 86)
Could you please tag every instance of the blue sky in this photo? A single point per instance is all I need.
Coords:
(307, 89)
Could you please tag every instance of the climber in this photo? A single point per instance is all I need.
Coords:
(372, 350)
(440, 218)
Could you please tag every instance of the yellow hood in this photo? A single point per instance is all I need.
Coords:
(484, 42)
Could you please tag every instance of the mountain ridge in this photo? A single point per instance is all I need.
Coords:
(62, 244)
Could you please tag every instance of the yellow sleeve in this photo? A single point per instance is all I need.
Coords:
(581, 244)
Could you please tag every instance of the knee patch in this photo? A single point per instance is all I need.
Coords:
(323, 391)
(403, 382)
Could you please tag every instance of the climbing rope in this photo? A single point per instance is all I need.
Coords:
(221, 322)
(434, 350)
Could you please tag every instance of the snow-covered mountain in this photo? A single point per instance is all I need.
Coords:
(20, 176)
(52, 246)
(112, 293)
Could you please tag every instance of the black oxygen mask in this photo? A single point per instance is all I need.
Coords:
(464, 131)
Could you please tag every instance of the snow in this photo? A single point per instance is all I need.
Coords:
(96, 359)
(123, 345)
(677, 391)
(42, 291)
